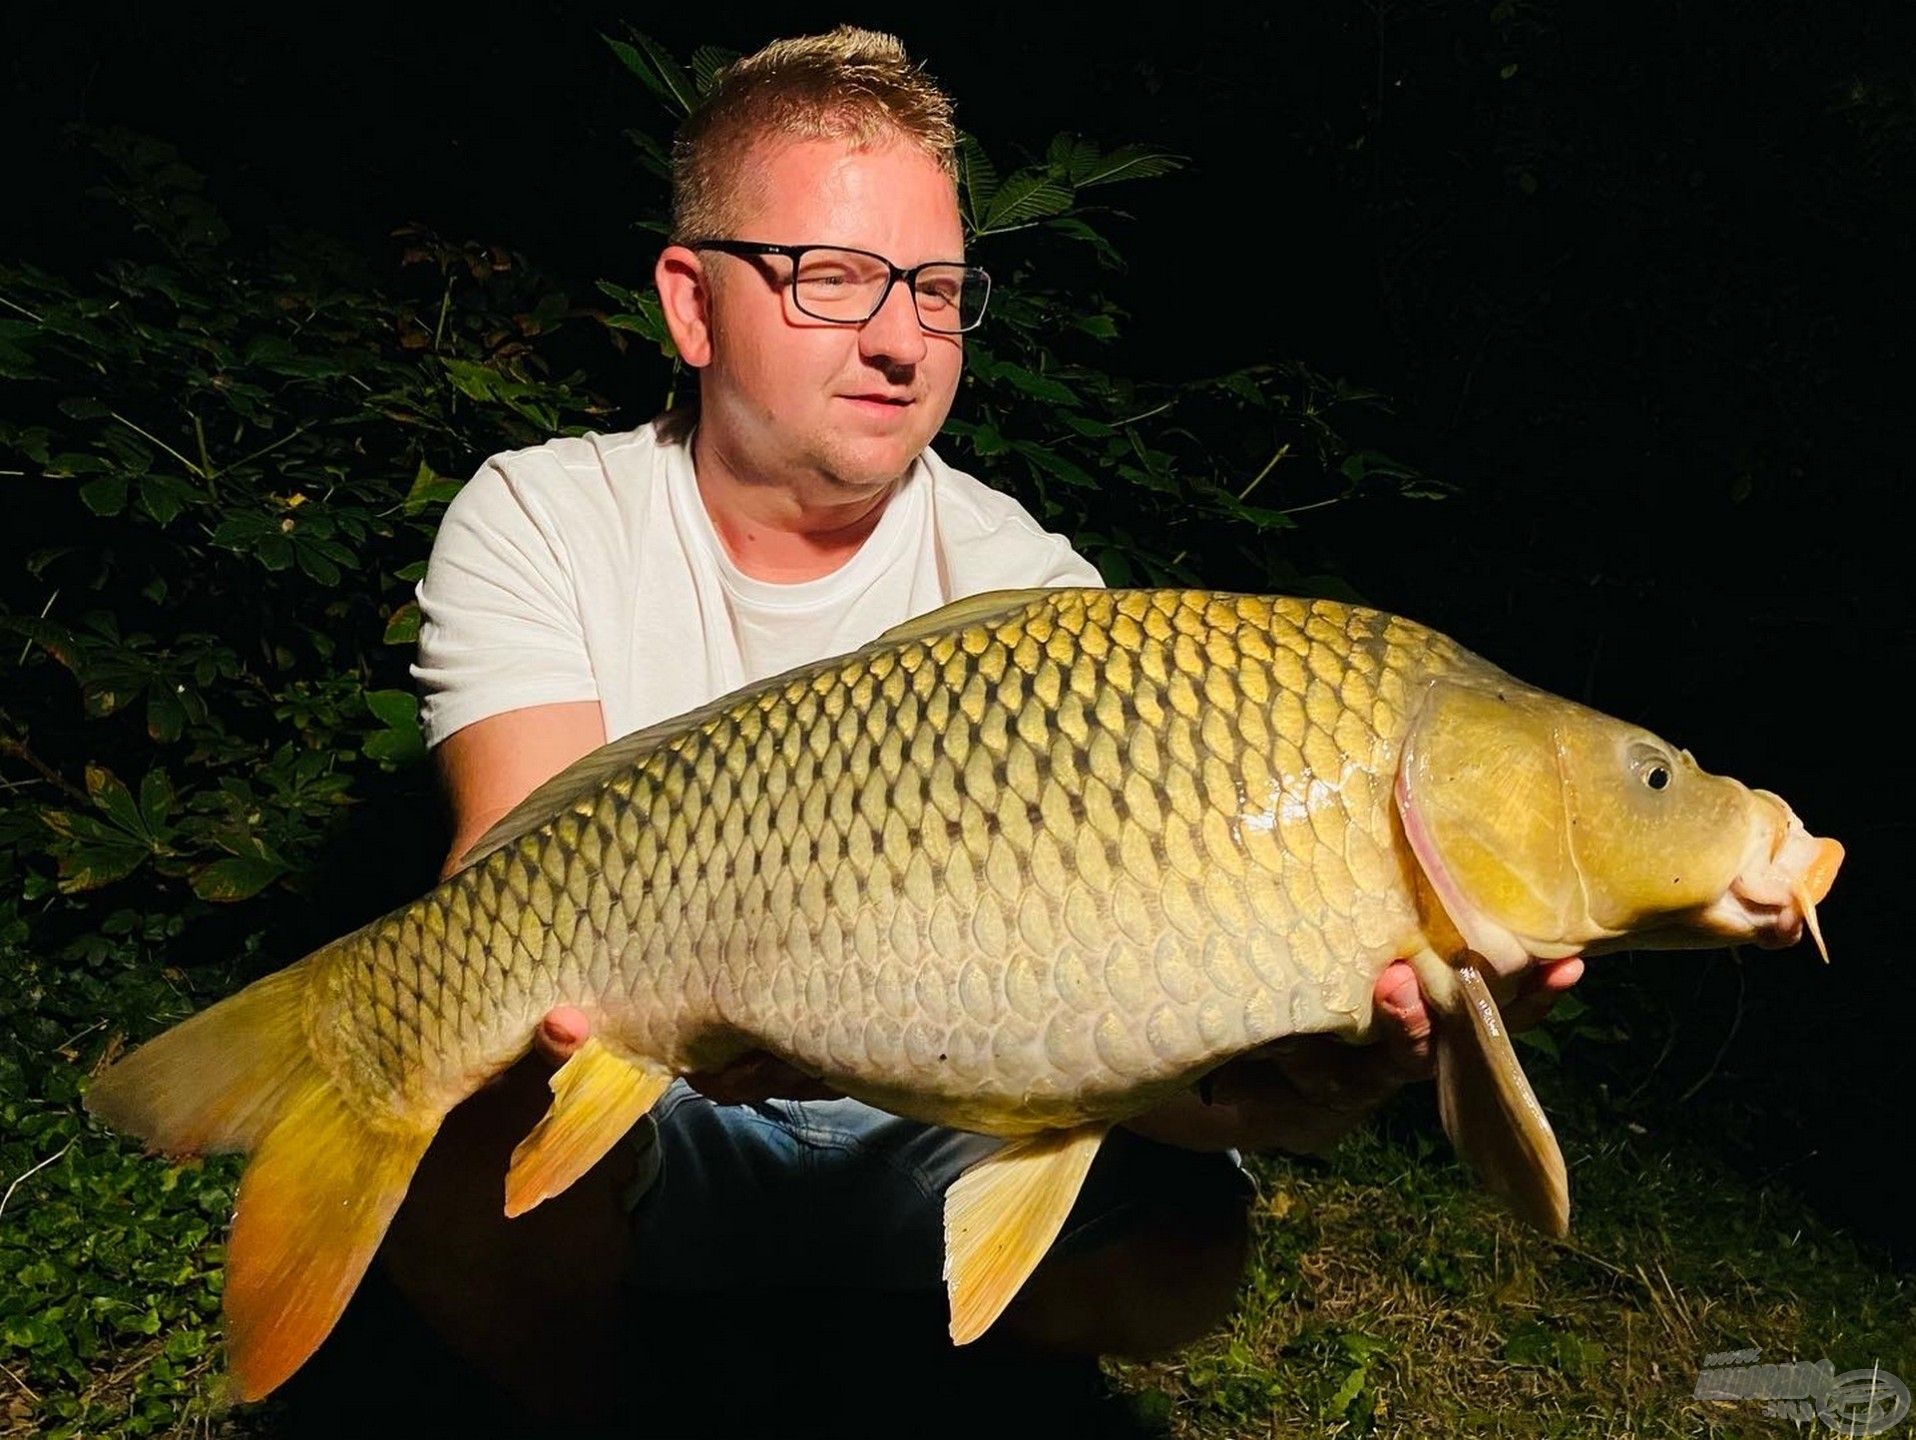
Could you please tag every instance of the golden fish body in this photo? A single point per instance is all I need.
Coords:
(1037, 871)
(1026, 866)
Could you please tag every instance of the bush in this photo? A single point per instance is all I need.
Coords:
(234, 467)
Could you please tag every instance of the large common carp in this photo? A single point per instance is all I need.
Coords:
(1025, 866)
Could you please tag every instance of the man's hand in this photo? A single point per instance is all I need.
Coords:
(1307, 1092)
(754, 1075)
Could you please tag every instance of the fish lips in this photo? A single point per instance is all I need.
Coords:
(1773, 898)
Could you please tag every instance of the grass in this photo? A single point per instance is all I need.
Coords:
(1388, 1295)
(1390, 1298)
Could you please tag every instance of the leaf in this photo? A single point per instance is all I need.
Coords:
(394, 707)
(1071, 156)
(977, 180)
(1567, 1008)
(315, 563)
(643, 315)
(706, 63)
(165, 715)
(105, 496)
(402, 627)
(164, 496)
(652, 155)
(156, 800)
(1078, 230)
(1038, 387)
(485, 384)
(1085, 425)
(1128, 162)
(986, 440)
(98, 856)
(1539, 1040)
(401, 742)
(1028, 194)
(15, 363)
(236, 877)
(72, 462)
(654, 65)
(1052, 463)
(115, 801)
(430, 488)
(397, 747)
(275, 552)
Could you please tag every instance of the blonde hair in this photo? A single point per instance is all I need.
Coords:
(853, 85)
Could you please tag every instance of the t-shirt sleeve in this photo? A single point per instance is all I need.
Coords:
(1065, 566)
(991, 542)
(500, 624)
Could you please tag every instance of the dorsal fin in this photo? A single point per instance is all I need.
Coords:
(585, 775)
(968, 611)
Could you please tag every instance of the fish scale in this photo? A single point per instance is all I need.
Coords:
(1089, 835)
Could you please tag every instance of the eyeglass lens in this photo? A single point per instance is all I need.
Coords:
(847, 286)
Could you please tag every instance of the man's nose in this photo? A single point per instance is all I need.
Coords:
(894, 332)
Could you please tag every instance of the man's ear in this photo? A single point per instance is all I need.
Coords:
(685, 295)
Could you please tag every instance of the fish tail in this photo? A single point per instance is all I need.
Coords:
(325, 1175)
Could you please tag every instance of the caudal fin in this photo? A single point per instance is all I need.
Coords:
(216, 1081)
(321, 1187)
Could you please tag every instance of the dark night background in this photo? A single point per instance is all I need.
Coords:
(1637, 279)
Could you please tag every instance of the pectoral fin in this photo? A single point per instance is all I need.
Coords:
(1001, 1216)
(597, 1096)
(1488, 1108)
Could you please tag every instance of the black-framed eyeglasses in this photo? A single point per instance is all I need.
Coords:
(847, 287)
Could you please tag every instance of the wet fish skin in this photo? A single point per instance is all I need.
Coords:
(1025, 866)
(1000, 880)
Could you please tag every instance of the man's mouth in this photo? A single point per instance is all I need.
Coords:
(879, 401)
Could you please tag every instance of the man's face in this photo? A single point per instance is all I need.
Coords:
(789, 399)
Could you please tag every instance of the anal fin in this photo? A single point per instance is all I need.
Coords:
(597, 1096)
(1001, 1216)
(1490, 1112)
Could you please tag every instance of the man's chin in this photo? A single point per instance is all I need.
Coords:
(870, 467)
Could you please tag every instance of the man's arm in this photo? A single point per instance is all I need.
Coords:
(492, 764)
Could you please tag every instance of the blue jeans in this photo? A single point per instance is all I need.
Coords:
(834, 1193)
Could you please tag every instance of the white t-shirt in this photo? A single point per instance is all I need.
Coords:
(588, 569)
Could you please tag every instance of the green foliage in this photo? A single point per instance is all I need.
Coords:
(1153, 479)
(235, 466)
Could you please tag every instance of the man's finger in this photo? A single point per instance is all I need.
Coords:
(564, 1030)
(1404, 1021)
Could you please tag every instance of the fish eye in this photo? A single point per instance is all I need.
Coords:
(1653, 768)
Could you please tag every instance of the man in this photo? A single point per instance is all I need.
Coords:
(582, 589)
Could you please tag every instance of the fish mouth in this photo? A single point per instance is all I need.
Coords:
(1774, 896)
